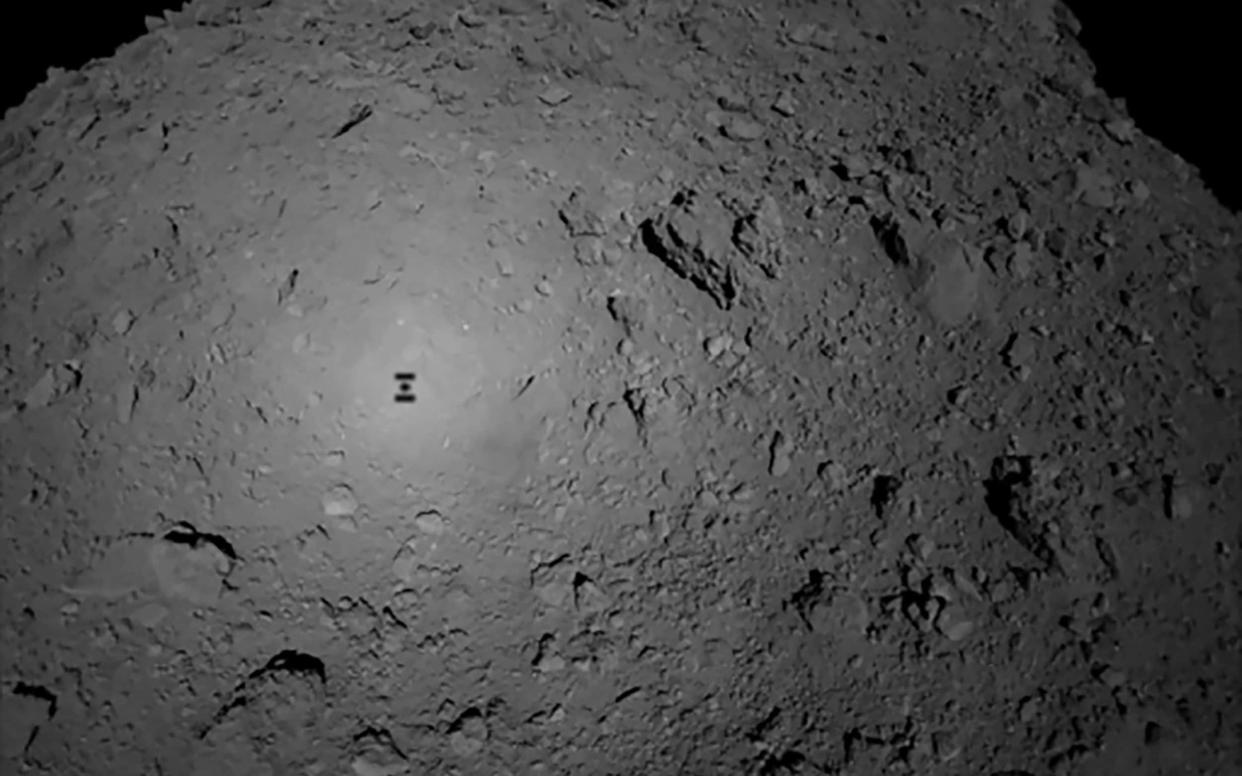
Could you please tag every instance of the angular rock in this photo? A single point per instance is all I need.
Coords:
(14, 143)
(56, 383)
(629, 311)
(953, 623)
(780, 455)
(126, 399)
(580, 219)
(760, 235)
(122, 322)
(885, 490)
(785, 104)
(468, 734)
(742, 129)
(376, 754)
(693, 238)
(1178, 501)
(588, 597)
(405, 562)
(1094, 186)
(212, 13)
(1009, 498)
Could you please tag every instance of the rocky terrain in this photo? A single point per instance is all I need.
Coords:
(649, 387)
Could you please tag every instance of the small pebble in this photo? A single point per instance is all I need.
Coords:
(785, 104)
(122, 322)
(717, 345)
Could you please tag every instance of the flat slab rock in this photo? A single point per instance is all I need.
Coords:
(942, 276)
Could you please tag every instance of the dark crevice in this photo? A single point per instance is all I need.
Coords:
(193, 538)
(38, 692)
(1177, 73)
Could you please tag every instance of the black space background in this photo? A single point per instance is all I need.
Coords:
(1177, 65)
